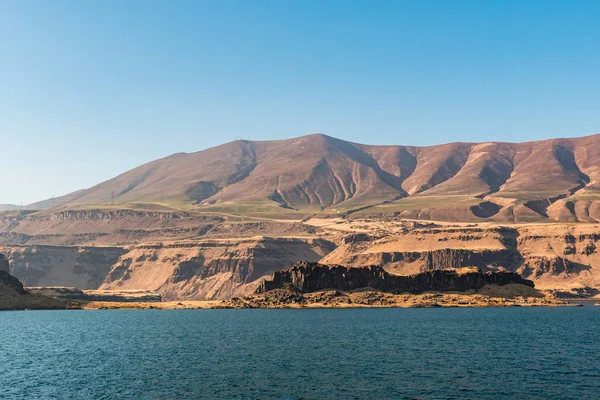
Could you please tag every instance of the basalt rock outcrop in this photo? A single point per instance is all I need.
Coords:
(3, 263)
(9, 282)
(450, 258)
(312, 277)
(195, 256)
(13, 295)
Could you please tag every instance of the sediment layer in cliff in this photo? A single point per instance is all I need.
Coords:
(555, 256)
(233, 257)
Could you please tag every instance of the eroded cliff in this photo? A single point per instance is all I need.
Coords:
(553, 256)
(213, 257)
(209, 269)
(13, 296)
(311, 277)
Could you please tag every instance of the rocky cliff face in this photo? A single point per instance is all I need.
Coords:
(210, 269)
(3, 263)
(429, 260)
(553, 256)
(7, 280)
(11, 283)
(196, 256)
(99, 227)
(311, 277)
(81, 267)
(13, 295)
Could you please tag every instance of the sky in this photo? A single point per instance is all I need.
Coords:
(90, 89)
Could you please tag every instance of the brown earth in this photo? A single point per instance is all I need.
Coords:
(71, 293)
(13, 296)
(487, 296)
(554, 179)
(213, 224)
(216, 268)
(554, 256)
(186, 255)
(308, 277)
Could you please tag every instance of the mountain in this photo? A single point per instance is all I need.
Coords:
(521, 182)
(8, 207)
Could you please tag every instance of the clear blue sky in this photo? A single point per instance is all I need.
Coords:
(89, 89)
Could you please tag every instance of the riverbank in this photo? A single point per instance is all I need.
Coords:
(488, 296)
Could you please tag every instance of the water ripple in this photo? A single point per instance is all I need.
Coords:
(534, 353)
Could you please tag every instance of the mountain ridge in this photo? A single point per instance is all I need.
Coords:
(320, 173)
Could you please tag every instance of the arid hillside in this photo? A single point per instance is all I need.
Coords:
(214, 224)
(185, 255)
(554, 179)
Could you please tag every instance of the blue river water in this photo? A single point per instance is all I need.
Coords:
(486, 353)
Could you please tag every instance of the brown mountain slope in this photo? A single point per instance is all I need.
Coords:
(317, 173)
(545, 169)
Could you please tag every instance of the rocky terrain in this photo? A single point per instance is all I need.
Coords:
(217, 268)
(13, 296)
(227, 256)
(556, 256)
(487, 296)
(309, 277)
(215, 224)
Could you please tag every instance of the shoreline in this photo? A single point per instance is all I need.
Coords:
(196, 306)
(488, 297)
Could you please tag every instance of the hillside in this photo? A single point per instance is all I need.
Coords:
(555, 179)
(184, 256)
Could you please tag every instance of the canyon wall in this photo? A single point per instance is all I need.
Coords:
(553, 256)
(4, 265)
(186, 255)
(81, 267)
(13, 296)
(209, 269)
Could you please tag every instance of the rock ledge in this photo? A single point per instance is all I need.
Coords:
(310, 277)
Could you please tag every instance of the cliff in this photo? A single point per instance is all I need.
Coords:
(187, 260)
(312, 277)
(10, 283)
(13, 295)
(3, 263)
(558, 256)
(208, 269)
